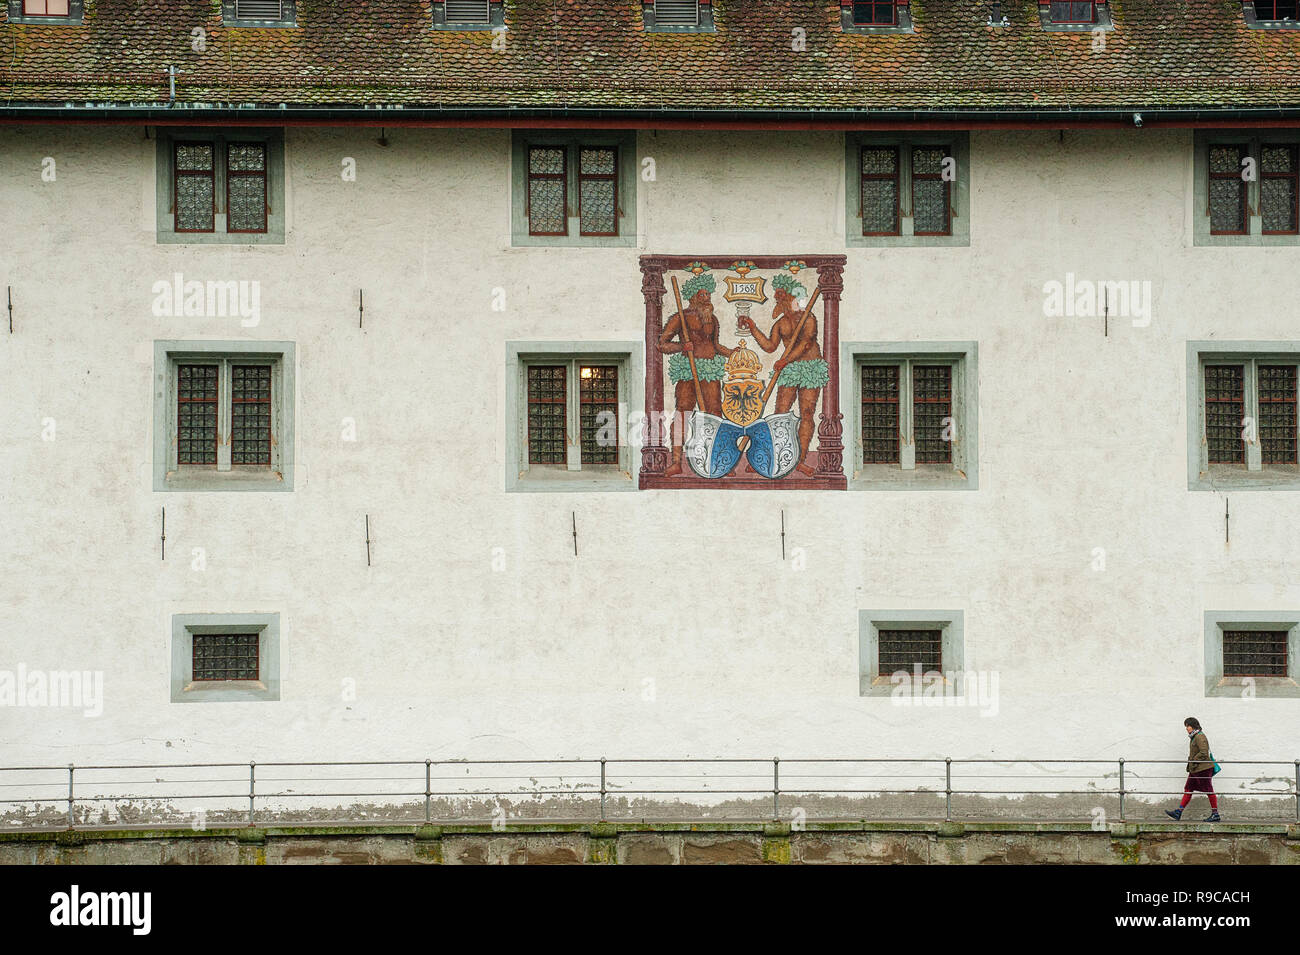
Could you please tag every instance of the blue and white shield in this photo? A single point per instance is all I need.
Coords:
(713, 447)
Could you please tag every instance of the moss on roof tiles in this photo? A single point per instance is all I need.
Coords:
(594, 53)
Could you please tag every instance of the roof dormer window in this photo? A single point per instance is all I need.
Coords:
(469, 15)
(677, 16)
(259, 13)
(875, 16)
(1272, 14)
(53, 12)
(1065, 16)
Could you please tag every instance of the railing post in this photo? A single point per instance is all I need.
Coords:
(776, 788)
(602, 789)
(1297, 790)
(72, 820)
(1121, 789)
(947, 789)
(252, 785)
(428, 794)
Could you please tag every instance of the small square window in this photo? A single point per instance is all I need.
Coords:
(910, 649)
(223, 416)
(225, 657)
(1252, 651)
(874, 13)
(905, 645)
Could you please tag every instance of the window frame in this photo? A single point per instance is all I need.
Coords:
(1100, 12)
(703, 19)
(1250, 13)
(1253, 473)
(902, 22)
(168, 474)
(962, 471)
(957, 145)
(16, 13)
(624, 144)
(186, 689)
(1254, 140)
(573, 475)
(221, 139)
(1217, 684)
(495, 18)
(288, 16)
(950, 623)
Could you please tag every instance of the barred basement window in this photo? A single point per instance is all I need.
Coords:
(910, 402)
(1255, 653)
(1227, 204)
(467, 11)
(1072, 11)
(225, 656)
(874, 13)
(906, 650)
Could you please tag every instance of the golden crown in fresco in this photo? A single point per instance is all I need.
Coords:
(743, 363)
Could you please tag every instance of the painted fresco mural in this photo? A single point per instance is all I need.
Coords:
(742, 372)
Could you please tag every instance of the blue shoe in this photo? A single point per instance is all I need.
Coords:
(1213, 817)
(1174, 813)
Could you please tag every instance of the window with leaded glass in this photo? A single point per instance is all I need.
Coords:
(598, 190)
(874, 13)
(1277, 10)
(1255, 653)
(223, 416)
(1277, 189)
(221, 187)
(246, 187)
(906, 650)
(880, 414)
(569, 420)
(1072, 11)
(1224, 412)
(225, 656)
(548, 190)
(547, 414)
(1251, 431)
(880, 213)
(907, 415)
(929, 191)
(1227, 190)
(196, 189)
(598, 413)
(196, 414)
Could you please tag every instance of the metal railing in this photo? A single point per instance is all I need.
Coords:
(404, 791)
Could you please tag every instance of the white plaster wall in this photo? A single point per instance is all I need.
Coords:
(1082, 445)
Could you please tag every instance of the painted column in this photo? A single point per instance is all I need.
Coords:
(654, 455)
(830, 447)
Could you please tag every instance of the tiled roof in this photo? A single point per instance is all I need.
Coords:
(594, 54)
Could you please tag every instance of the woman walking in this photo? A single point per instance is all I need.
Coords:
(1200, 771)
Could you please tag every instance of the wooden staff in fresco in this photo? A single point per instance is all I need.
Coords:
(693, 331)
(806, 408)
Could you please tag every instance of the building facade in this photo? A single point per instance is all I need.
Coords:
(344, 407)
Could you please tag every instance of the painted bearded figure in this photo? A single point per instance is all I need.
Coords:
(710, 358)
(802, 371)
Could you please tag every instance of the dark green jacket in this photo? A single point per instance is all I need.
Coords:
(1198, 753)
